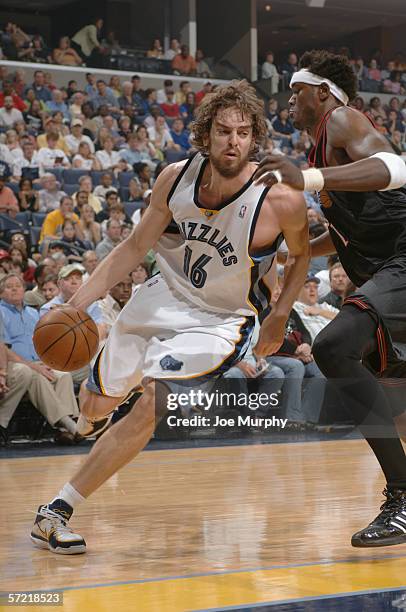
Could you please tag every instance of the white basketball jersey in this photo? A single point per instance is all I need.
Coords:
(210, 264)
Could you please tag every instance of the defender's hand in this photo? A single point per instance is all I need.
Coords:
(291, 175)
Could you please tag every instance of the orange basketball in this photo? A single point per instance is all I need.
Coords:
(66, 339)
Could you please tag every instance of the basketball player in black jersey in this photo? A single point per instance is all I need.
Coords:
(361, 186)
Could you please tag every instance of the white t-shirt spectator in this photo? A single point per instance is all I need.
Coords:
(22, 162)
(314, 323)
(86, 164)
(6, 156)
(100, 192)
(49, 200)
(47, 157)
(164, 138)
(108, 160)
(73, 143)
(8, 118)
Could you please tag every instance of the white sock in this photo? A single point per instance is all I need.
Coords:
(70, 495)
(67, 423)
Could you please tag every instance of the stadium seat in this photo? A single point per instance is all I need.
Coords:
(174, 156)
(24, 218)
(37, 186)
(7, 223)
(57, 172)
(38, 219)
(124, 178)
(131, 207)
(124, 193)
(70, 189)
(35, 233)
(97, 174)
(72, 175)
(14, 187)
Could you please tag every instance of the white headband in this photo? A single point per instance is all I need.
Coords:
(305, 76)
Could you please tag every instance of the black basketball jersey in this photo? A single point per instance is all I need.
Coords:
(367, 228)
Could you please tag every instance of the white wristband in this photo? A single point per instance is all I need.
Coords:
(313, 179)
(278, 175)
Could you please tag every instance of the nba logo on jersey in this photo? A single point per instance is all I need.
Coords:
(242, 212)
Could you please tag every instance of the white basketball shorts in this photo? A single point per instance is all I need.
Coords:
(161, 335)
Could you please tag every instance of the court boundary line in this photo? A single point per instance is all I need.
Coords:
(301, 599)
(221, 573)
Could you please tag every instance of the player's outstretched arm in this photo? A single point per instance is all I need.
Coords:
(375, 166)
(290, 208)
(130, 253)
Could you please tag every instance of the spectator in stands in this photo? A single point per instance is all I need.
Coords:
(55, 219)
(144, 175)
(206, 89)
(111, 44)
(127, 97)
(393, 85)
(90, 87)
(90, 263)
(50, 196)
(105, 97)
(115, 211)
(65, 55)
(18, 257)
(13, 144)
(57, 104)
(36, 296)
(20, 241)
(137, 150)
(139, 276)
(375, 108)
(50, 391)
(161, 93)
(184, 89)
(51, 128)
(180, 135)
(150, 119)
(89, 227)
(160, 136)
(90, 125)
(156, 50)
(28, 197)
(269, 71)
(394, 123)
(339, 283)
(360, 71)
(174, 49)
(137, 88)
(73, 246)
(8, 201)
(397, 141)
(8, 114)
(28, 164)
(113, 238)
(86, 184)
(386, 72)
(15, 380)
(17, 36)
(394, 105)
(86, 42)
(184, 63)
(135, 191)
(169, 108)
(76, 137)
(85, 159)
(50, 156)
(36, 51)
(187, 110)
(106, 184)
(289, 67)
(202, 67)
(33, 117)
(9, 90)
(50, 287)
(114, 302)
(41, 91)
(314, 316)
(282, 128)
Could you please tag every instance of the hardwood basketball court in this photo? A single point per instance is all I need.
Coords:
(205, 529)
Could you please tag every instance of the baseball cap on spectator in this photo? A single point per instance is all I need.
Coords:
(70, 269)
(76, 122)
(4, 255)
(5, 171)
(312, 279)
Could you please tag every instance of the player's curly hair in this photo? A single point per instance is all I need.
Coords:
(334, 67)
(237, 94)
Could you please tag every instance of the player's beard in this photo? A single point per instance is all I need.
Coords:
(227, 171)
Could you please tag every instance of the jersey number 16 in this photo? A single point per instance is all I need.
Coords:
(196, 273)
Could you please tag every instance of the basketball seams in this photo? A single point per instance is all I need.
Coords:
(73, 348)
(87, 342)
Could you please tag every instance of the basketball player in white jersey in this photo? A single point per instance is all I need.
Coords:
(195, 318)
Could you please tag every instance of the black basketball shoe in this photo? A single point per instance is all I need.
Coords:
(389, 527)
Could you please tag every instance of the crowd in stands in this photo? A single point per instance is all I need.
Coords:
(90, 47)
(76, 172)
(375, 75)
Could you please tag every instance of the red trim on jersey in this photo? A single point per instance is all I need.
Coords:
(380, 336)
